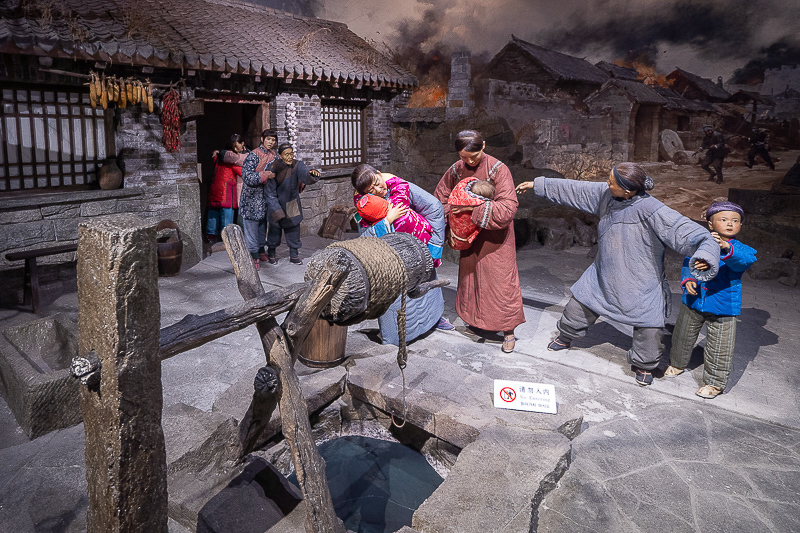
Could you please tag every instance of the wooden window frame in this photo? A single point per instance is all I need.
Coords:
(50, 156)
(337, 117)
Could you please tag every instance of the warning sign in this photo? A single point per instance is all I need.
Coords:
(523, 396)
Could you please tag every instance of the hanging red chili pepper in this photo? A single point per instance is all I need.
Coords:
(171, 121)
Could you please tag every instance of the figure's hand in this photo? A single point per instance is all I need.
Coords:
(266, 175)
(724, 245)
(524, 186)
(691, 287)
(215, 153)
(395, 212)
(701, 265)
(314, 173)
(458, 209)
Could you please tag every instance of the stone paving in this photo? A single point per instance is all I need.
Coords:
(647, 459)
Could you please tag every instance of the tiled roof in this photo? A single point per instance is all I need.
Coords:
(637, 91)
(561, 66)
(617, 71)
(702, 84)
(221, 35)
(419, 114)
(676, 101)
(746, 96)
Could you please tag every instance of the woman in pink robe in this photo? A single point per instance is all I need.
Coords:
(489, 295)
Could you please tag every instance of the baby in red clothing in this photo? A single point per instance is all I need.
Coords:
(467, 192)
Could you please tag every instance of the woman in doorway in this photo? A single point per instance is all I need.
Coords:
(253, 205)
(223, 198)
(489, 295)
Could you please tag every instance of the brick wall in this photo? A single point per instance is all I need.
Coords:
(52, 219)
(460, 95)
(334, 188)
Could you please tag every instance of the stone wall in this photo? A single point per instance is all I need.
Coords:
(51, 219)
(554, 132)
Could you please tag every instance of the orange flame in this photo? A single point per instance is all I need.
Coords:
(429, 96)
(646, 73)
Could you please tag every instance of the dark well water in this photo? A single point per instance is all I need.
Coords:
(376, 485)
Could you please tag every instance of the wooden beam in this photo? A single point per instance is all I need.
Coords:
(308, 463)
(193, 330)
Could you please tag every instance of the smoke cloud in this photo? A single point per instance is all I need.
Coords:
(707, 37)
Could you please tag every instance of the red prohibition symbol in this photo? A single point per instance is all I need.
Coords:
(507, 394)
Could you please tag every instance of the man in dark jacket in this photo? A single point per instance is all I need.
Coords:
(759, 142)
(714, 145)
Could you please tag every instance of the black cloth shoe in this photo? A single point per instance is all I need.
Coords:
(719, 180)
(558, 344)
(643, 377)
(296, 261)
(272, 260)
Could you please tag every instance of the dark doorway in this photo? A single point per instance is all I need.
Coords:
(643, 133)
(214, 130)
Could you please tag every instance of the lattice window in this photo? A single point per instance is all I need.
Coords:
(49, 139)
(343, 135)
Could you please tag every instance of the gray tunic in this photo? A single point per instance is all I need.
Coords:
(626, 282)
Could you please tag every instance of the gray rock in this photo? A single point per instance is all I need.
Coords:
(585, 235)
(36, 383)
(553, 233)
(519, 481)
(774, 269)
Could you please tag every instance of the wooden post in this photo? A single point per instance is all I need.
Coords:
(308, 463)
(119, 318)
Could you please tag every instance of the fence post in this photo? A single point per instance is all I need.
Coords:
(119, 318)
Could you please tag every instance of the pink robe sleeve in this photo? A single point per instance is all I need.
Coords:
(399, 192)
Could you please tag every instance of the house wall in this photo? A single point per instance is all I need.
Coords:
(157, 185)
(335, 186)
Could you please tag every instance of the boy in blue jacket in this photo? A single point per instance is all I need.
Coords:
(715, 303)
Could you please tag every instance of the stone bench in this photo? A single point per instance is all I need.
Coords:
(30, 300)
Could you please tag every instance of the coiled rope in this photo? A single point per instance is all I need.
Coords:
(384, 269)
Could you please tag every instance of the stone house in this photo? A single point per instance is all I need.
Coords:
(695, 87)
(541, 94)
(634, 112)
(238, 65)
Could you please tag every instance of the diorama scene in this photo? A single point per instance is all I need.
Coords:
(417, 267)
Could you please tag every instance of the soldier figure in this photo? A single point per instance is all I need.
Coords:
(760, 146)
(714, 145)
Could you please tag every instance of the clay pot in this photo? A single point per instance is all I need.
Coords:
(109, 176)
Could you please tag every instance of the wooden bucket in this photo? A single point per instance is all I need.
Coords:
(324, 346)
(170, 252)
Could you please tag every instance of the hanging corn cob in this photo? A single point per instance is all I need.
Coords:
(103, 92)
(123, 94)
(149, 97)
(92, 90)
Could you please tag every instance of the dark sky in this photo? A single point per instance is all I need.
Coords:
(710, 38)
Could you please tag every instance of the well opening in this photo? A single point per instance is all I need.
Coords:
(378, 474)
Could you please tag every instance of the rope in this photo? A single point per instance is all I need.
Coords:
(384, 268)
